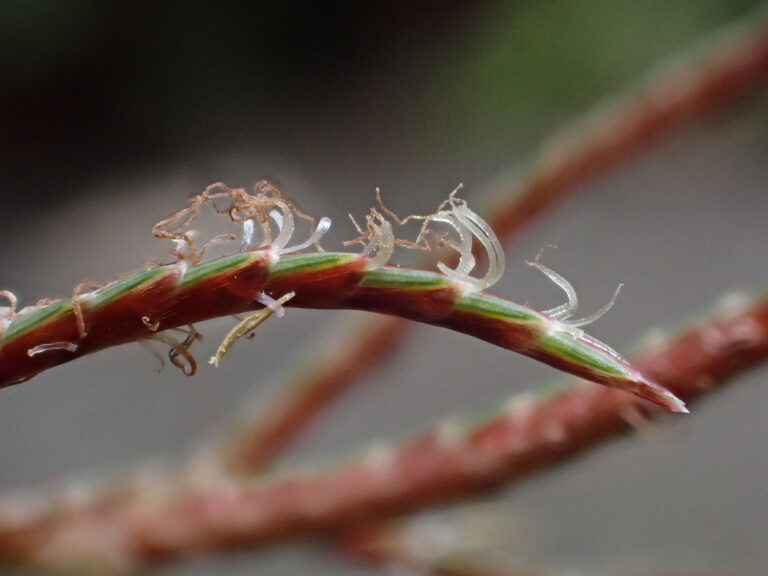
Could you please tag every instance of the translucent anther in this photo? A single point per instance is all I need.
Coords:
(463, 247)
(383, 241)
(597, 315)
(467, 225)
(486, 236)
(277, 217)
(320, 230)
(248, 228)
(564, 310)
(271, 303)
(12, 300)
(7, 312)
(52, 346)
(284, 220)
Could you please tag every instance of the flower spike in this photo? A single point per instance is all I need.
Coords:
(188, 291)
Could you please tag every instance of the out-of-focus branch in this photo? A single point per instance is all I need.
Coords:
(454, 461)
(473, 540)
(268, 424)
(730, 64)
(437, 548)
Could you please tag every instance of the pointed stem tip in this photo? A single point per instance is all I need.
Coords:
(663, 397)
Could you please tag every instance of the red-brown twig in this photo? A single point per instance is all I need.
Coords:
(265, 429)
(730, 65)
(466, 541)
(116, 314)
(445, 464)
(438, 550)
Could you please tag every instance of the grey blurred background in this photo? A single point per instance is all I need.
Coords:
(114, 113)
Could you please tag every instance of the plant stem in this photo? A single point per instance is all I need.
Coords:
(172, 296)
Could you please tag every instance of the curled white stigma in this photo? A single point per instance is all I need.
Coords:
(320, 230)
(468, 225)
(247, 237)
(382, 239)
(560, 314)
(283, 217)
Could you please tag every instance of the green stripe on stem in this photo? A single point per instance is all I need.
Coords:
(214, 267)
(112, 291)
(404, 278)
(316, 261)
(566, 345)
(498, 308)
(27, 322)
